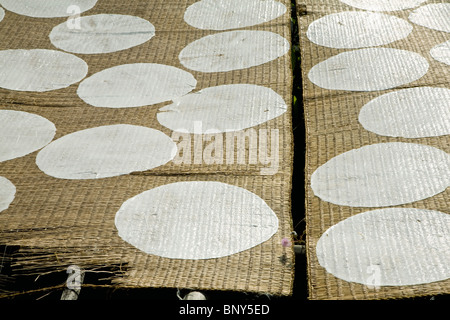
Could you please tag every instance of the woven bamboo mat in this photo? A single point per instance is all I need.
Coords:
(57, 223)
(333, 128)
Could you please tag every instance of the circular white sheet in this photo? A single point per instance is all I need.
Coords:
(135, 85)
(106, 151)
(7, 193)
(388, 247)
(357, 29)
(384, 174)
(233, 50)
(231, 14)
(48, 8)
(2, 14)
(39, 69)
(384, 5)
(102, 33)
(195, 220)
(435, 16)
(409, 113)
(222, 109)
(441, 52)
(369, 69)
(22, 133)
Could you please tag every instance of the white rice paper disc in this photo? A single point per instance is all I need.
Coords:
(39, 69)
(7, 193)
(384, 5)
(357, 29)
(384, 174)
(222, 109)
(409, 113)
(106, 151)
(232, 14)
(388, 247)
(233, 50)
(441, 52)
(22, 133)
(48, 8)
(102, 33)
(370, 69)
(195, 220)
(434, 16)
(135, 85)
